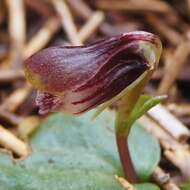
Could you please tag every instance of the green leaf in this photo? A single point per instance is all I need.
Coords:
(145, 151)
(69, 153)
(144, 104)
(186, 186)
(147, 186)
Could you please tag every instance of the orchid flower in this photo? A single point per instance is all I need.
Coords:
(75, 79)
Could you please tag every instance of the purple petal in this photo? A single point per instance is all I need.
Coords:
(48, 102)
(84, 77)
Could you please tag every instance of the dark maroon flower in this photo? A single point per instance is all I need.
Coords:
(76, 79)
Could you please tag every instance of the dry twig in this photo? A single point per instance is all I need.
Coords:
(164, 180)
(91, 25)
(10, 118)
(15, 99)
(173, 66)
(125, 183)
(40, 7)
(169, 123)
(67, 21)
(11, 142)
(42, 37)
(10, 75)
(179, 109)
(27, 126)
(135, 5)
(165, 30)
(17, 30)
(175, 152)
(80, 8)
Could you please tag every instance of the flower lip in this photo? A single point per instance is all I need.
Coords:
(83, 77)
(142, 35)
(151, 41)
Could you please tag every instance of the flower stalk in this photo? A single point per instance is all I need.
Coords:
(123, 127)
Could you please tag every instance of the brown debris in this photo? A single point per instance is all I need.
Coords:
(180, 109)
(135, 5)
(10, 75)
(164, 180)
(27, 26)
(81, 8)
(42, 37)
(12, 102)
(163, 29)
(67, 21)
(178, 154)
(17, 30)
(125, 183)
(91, 25)
(12, 143)
(41, 7)
(27, 126)
(10, 118)
(173, 66)
(169, 123)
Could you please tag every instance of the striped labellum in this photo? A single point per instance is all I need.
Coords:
(75, 79)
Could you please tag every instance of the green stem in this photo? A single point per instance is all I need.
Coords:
(125, 158)
(123, 126)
